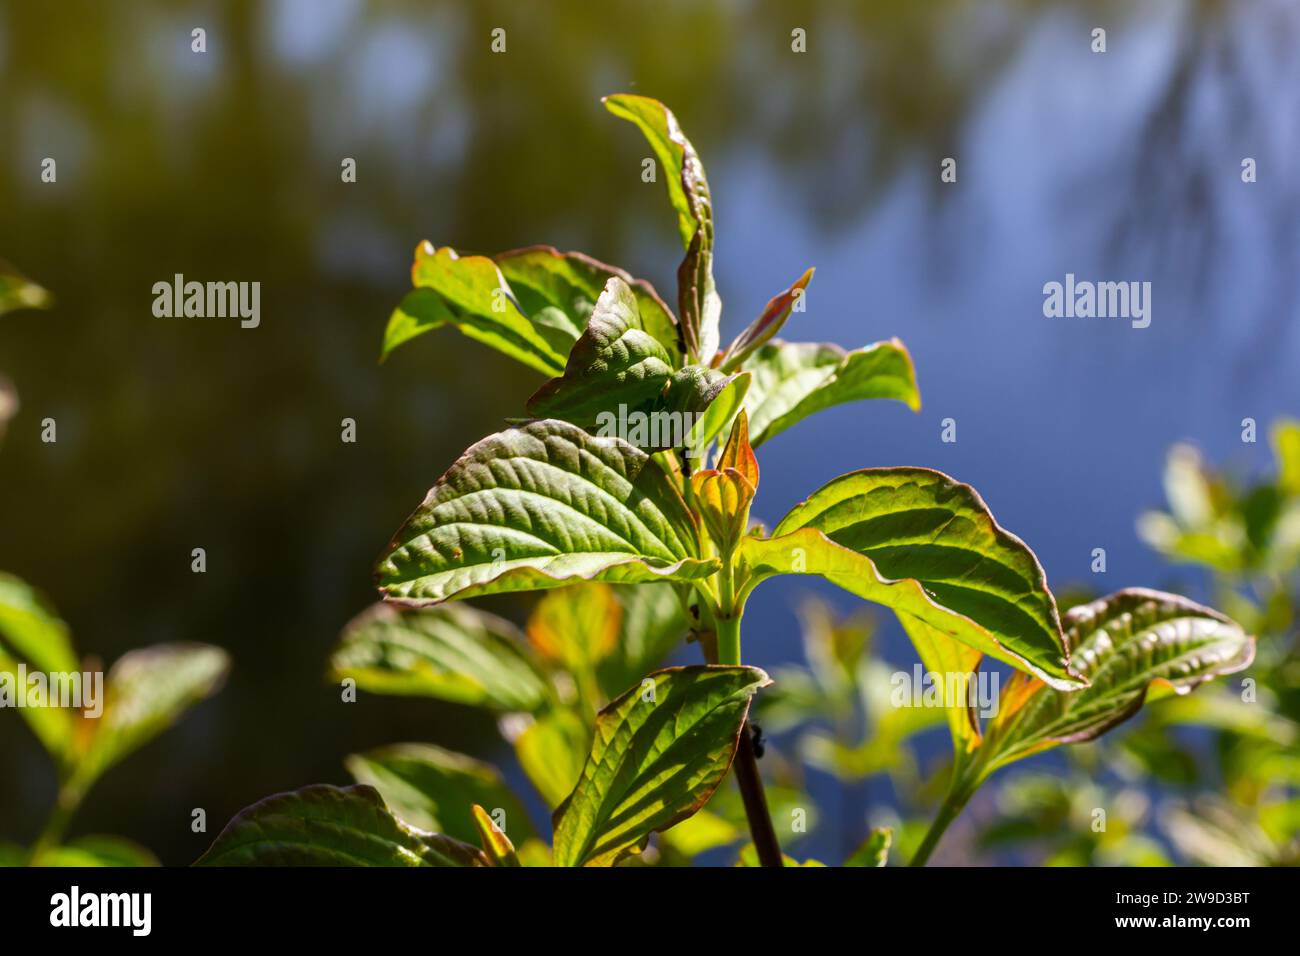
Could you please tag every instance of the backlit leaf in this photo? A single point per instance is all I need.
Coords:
(552, 751)
(540, 506)
(657, 758)
(31, 633)
(874, 850)
(616, 361)
(19, 292)
(768, 324)
(923, 544)
(699, 308)
(576, 627)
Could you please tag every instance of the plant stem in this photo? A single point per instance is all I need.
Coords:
(751, 792)
(952, 805)
(745, 764)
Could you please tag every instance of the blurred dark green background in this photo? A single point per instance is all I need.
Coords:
(176, 434)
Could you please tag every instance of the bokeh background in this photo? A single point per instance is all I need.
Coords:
(176, 434)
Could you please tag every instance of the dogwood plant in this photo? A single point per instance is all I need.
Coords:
(557, 499)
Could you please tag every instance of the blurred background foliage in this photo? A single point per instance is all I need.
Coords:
(176, 434)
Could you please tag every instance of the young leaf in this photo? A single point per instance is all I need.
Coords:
(454, 652)
(146, 692)
(874, 850)
(767, 324)
(435, 789)
(615, 362)
(540, 506)
(698, 306)
(322, 825)
(793, 380)
(923, 544)
(660, 752)
(569, 283)
(496, 845)
(1124, 644)
(478, 301)
(722, 495)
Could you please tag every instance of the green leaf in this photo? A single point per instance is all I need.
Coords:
(435, 789)
(478, 301)
(1124, 644)
(146, 692)
(563, 287)
(657, 758)
(874, 850)
(97, 851)
(699, 307)
(19, 292)
(615, 362)
(455, 652)
(793, 380)
(322, 825)
(540, 506)
(552, 751)
(31, 633)
(923, 544)
(768, 323)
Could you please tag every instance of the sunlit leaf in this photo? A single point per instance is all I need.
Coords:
(322, 825)
(953, 665)
(616, 361)
(540, 506)
(435, 789)
(569, 283)
(768, 324)
(452, 652)
(1286, 448)
(699, 308)
(473, 296)
(923, 544)
(659, 753)
(793, 380)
